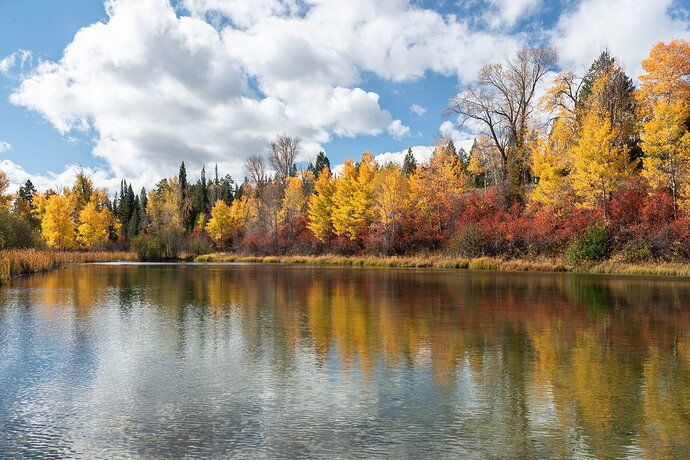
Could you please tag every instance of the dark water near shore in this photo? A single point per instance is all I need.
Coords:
(283, 361)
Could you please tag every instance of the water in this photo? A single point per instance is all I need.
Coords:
(282, 361)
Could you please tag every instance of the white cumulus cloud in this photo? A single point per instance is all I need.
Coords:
(5, 147)
(628, 28)
(417, 109)
(17, 176)
(398, 130)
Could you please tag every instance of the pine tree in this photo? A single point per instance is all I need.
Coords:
(409, 163)
(184, 199)
(322, 162)
(201, 204)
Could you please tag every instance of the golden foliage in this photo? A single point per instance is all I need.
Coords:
(599, 162)
(163, 207)
(292, 205)
(436, 186)
(5, 198)
(95, 222)
(352, 206)
(320, 204)
(390, 191)
(57, 225)
(551, 163)
(666, 143)
(226, 222)
(667, 72)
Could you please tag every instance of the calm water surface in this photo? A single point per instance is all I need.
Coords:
(283, 361)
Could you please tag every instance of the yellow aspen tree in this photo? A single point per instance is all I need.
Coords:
(551, 163)
(665, 108)
(163, 207)
(227, 222)
(390, 192)
(353, 198)
(320, 203)
(95, 222)
(82, 190)
(292, 206)
(5, 198)
(57, 226)
(666, 144)
(667, 72)
(599, 163)
(436, 187)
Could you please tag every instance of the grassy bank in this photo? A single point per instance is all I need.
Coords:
(480, 263)
(18, 262)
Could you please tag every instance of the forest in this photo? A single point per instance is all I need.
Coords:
(579, 168)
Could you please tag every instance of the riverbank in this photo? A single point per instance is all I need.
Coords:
(21, 262)
(480, 263)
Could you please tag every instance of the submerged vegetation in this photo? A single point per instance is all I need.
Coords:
(605, 184)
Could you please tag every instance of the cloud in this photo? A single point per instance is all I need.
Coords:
(157, 89)
(5, 147)
(417, 109)
(18, 176)
(421, 153)
(20, 59)
(629, 28)
(506, 13)
(461, 139)
(398, 130)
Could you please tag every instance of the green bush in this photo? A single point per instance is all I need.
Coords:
(469, 242)
(594, 246)
(158, 246)
(198, 244)
(16, 233)
(636, 252)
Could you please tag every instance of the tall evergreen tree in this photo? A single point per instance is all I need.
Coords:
(27, 192)
(201, 203)
(182, 177)
(322, 162)
(409, 163)
(143, 202)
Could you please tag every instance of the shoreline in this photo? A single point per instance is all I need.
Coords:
(20, 263)
(16, 263)
(479, 263)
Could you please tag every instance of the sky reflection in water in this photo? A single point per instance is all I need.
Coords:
(279, 361)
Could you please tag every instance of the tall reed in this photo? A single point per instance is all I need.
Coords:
(18, 262)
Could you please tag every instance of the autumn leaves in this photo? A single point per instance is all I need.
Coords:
(603, 125)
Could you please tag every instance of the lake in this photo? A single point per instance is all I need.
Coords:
(131, 360)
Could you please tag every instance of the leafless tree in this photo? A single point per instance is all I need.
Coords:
(255, 168)
(502, 102)
(282, 154)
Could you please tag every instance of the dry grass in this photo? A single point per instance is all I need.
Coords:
(18, 262)
(481, 263)
(653, 268)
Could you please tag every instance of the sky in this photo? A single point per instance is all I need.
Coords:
(127, 89)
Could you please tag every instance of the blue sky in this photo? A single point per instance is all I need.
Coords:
(147, 84)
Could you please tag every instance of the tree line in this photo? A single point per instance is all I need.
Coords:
(594, 150)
